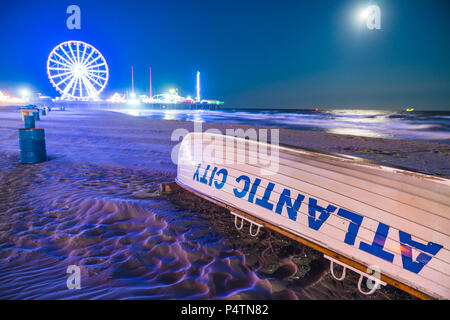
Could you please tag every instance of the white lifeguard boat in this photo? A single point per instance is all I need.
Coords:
(388, 224)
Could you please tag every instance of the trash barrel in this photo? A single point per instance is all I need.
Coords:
(36, 115)
(32, 145)
(29, 122)
(43, 111)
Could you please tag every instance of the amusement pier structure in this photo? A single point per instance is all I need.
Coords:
(79, 72)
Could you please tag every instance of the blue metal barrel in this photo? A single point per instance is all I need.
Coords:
(29, 122)
(43, 112)
(32, 145)
(36, 115)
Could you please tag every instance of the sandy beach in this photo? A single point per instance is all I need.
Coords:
(96, 204)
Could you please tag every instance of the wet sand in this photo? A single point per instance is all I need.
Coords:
(96, 204)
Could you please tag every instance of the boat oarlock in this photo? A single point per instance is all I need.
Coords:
(252, 223)
(373, 282)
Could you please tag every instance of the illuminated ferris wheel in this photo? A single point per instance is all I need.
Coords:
(77, 70)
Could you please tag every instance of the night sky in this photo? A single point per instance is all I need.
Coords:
(286, 54)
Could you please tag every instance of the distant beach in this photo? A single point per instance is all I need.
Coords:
(96, 204)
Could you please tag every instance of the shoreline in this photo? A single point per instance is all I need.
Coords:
(425, 157)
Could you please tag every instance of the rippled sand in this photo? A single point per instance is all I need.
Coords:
(96, 204)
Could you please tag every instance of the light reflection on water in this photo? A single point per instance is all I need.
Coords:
(357, 132)
(428, 126)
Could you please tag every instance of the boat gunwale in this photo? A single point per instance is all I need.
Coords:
(437, 177)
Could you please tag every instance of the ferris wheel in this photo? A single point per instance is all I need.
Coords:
(77, 70)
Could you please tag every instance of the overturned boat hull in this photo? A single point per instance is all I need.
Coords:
(388, 224)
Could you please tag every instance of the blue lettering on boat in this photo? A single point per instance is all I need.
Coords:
(315, 222)
(203, 179)
(255, 186)
(264, 201)
(224, 174)
(324, 214)
(243, 192)
(285, 199)
(353, 227)
(422, 259)
(212, 176)
(197, 173)
(376, 248)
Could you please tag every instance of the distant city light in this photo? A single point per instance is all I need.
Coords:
(216, 102)
(24, 92)
(4, 98)
(133, 100)
(117, 98)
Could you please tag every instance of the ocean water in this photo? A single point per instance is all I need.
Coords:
(416, 125)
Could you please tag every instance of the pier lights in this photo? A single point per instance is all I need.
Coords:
(133, 100)
(198, 87)
(79, 70)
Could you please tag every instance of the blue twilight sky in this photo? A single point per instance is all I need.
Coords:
(287, 54)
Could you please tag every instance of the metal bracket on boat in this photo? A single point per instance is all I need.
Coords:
(376, 282)
(236, 216)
